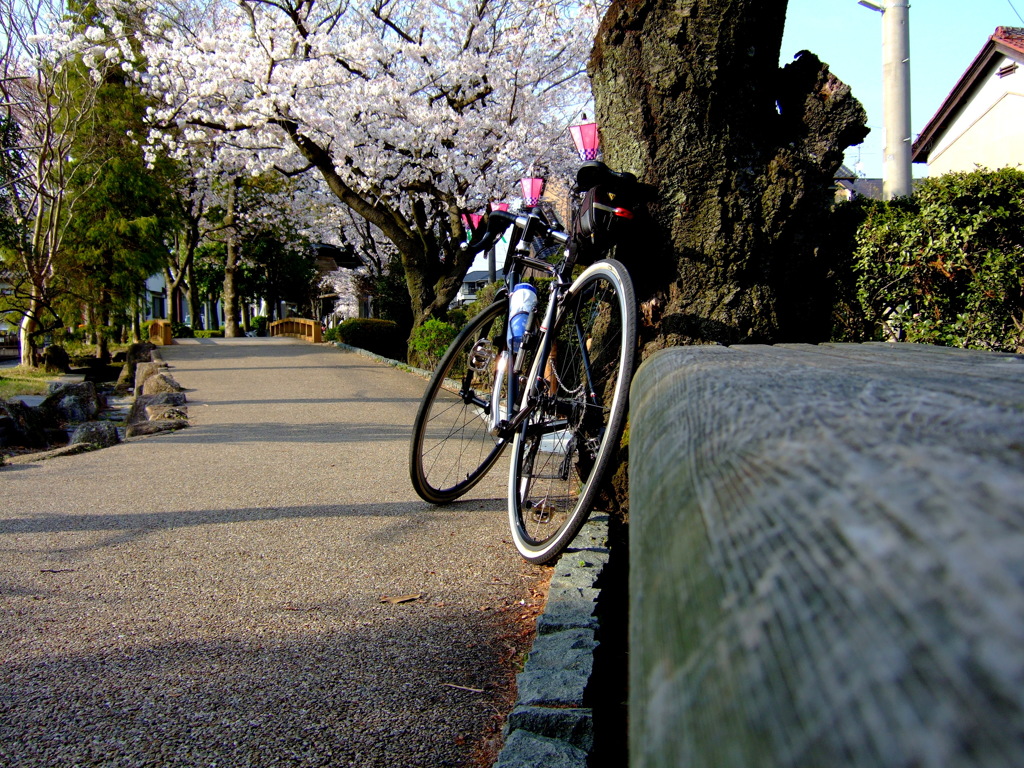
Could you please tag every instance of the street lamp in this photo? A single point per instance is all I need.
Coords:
(586, 139)
(896, 176)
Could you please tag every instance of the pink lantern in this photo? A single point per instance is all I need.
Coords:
(499, 206)
(472, 220)
(585, 137)
(533, 188)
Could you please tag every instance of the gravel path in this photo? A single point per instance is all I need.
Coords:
(213, 596)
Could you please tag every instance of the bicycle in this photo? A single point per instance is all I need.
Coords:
(557, 392)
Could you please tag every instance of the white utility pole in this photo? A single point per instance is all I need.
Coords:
(896, 177)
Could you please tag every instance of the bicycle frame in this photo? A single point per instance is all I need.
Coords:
(505, 424)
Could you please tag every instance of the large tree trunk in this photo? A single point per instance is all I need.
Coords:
(27, 330)
(195, 301)
(230, 295)
(690, 97)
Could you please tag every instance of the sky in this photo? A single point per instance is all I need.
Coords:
(945, 36)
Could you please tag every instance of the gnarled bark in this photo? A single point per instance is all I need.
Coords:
(690, 98)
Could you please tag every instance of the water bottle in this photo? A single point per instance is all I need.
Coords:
(520, 306)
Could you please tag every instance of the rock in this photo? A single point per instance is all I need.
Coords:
(102, 434)
(73, 402)
(157, 412)
(155, 427)
(55, 359)
(144, 371)
(24, 426)
(137, 353)
(161, 382)
(142, 402)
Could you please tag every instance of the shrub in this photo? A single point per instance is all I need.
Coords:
(259, 324)
(380, 336)
(182, 331)
(946, 266)
(331, 334)
(210, 334)
(429, 341)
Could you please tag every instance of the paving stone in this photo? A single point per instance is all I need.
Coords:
(574, 725)
(528, 750)
(558, 669)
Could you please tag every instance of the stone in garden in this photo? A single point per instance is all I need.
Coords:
(102, 434)
(159, 383)
(24, 426)
(155, 427)
(163, 411)
(73, 402)
(55, 359)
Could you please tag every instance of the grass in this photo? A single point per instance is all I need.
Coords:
(23, 381)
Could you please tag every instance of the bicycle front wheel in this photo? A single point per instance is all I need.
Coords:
(452, 447)
(579, 396)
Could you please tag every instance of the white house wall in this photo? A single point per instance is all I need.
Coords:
(989, 131)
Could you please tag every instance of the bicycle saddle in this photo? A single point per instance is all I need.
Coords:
(596, 173)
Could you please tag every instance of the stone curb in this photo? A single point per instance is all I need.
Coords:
(549, 727)
(386, 360)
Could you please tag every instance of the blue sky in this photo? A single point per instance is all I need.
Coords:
(945, 36)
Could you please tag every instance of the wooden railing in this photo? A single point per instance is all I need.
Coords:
(309, 330)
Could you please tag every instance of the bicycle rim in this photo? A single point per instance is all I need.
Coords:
(452, 448)
(561, 453)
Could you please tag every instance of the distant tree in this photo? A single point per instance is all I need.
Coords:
(43, 93)
(123, 217)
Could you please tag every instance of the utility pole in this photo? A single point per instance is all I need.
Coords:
(896, 176)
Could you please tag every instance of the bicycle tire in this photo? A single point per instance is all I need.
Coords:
(452, 448)
(562, 451)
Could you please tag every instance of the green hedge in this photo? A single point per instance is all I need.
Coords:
(209, 334)
(382, 337)
(946, 266)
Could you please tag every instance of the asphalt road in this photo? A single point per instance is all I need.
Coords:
(213, 596)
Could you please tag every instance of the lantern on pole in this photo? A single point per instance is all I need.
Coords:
(533, 188)
(471, 220)
(584, 136)
(499, 206)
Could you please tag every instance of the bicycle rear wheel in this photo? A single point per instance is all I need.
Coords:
(452, 448)
(563, 450)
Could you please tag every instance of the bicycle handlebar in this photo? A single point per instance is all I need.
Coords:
(497, 223)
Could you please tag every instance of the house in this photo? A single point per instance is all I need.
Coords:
(472, 283)
(850, 186)
(981, 122)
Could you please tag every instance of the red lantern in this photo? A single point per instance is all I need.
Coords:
(585, 137)
(499, 206)
(471, 220)
(533, 188)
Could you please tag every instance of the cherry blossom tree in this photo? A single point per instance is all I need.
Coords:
(411, 112)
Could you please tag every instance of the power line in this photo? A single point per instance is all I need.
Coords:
(1010, 3)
